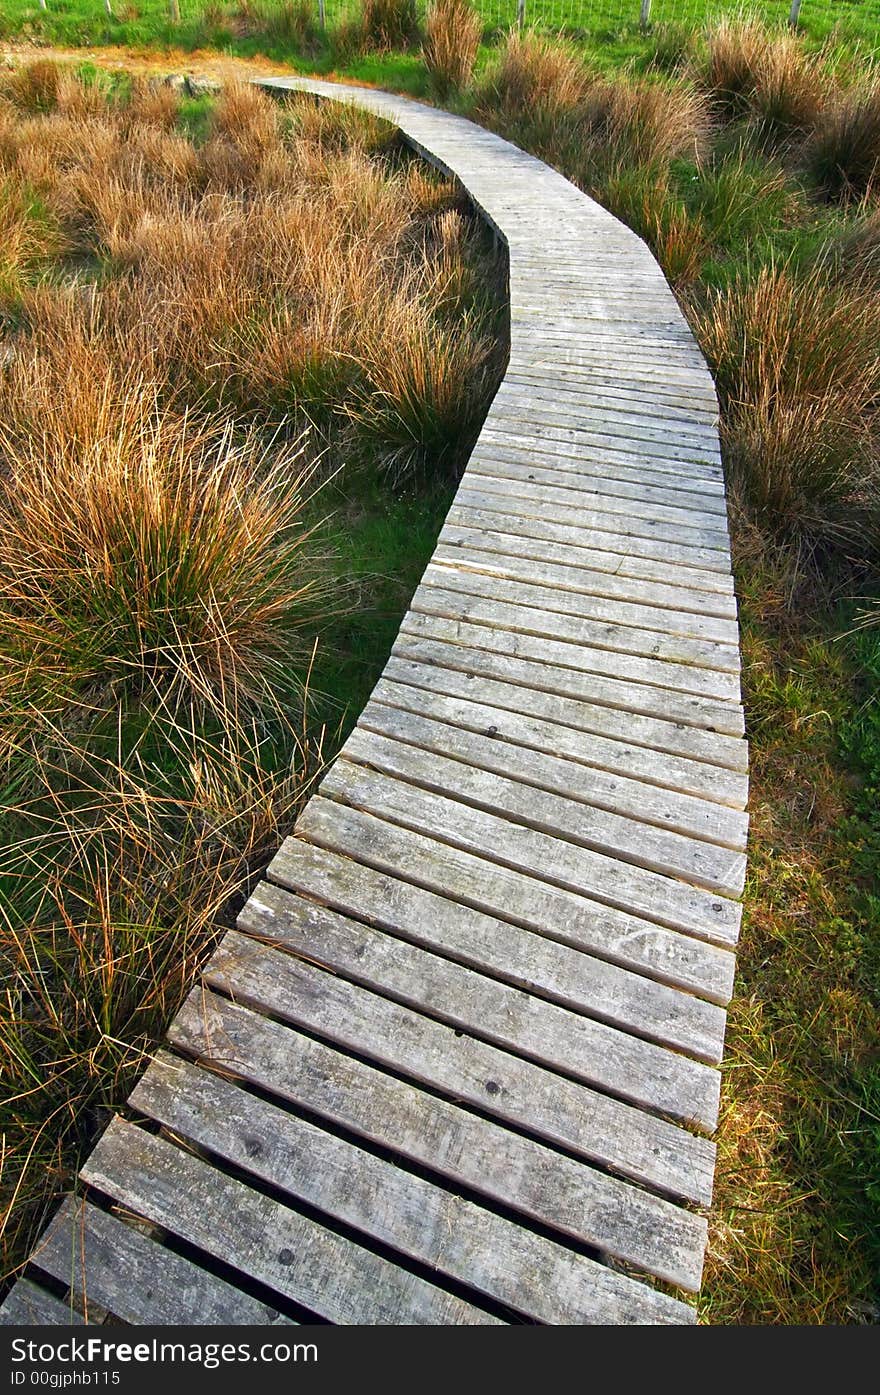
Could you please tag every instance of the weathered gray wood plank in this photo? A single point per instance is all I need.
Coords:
(496, 1012)
(554, 667)
(451, 1142)
(286, 1251)
(651, 896)
(589, 549)
(520, 686)
(28, 1305)
(644, 656)
(136, 1278)
(695, 612)
(638, 1226)
(502, 1260)
(711, 643)
(345, 878)
(641, 822)
(513, 893)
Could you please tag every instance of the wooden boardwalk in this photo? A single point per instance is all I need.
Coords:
(459, 1063)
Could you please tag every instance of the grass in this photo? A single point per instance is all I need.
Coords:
(797, 1201)
(453, 30)
(220, 484)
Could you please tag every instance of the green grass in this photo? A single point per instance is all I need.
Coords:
(796, 1219)
(607, 28)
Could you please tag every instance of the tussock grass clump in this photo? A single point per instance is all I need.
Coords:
(843, 158)
(636, 122)
(534, 76)
(150, 553)
(765, 75)
(34, 86)
(453, 30)
(797, 364)
(153, 103)
(380, 26)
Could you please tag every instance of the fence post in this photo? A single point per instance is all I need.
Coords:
(174, 11)
(645, 15)
(793, 13)
(322, 14)
(520, 13)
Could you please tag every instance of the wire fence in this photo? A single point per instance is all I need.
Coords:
(602, 21)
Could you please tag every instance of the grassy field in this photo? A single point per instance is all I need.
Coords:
(289, 29)
(751, 168)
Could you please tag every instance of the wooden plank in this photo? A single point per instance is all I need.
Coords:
(653, 898)
(642, 656)
(585, 547)
(494, 1011)
(556, 695)
(28, 1305)
(509, 746)
(561, 668)
(528, 583)
(450, 1142)
(524, 1271)
(595, 532)
(513, 893)
(655, 507)
(550, 564)
(289, 1253)
(577, 469)
(136, 1278)
(489, 708)
(618, 998)
(527, 412)
(696, 544)
(579, 472)
(607, 388)
(704, 498)
(638, 1227)
(516, 783)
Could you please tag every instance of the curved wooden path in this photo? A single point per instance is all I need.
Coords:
(468, 1030)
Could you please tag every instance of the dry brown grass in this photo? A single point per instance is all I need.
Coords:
(160, 588)
(535, 75)
(844, 155)
(453, 30)
(797, 363)
(635, 122)
(256, 265)
(142, 550)
(764, 74)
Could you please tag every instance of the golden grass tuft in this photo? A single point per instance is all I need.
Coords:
(148, 552)
(453, 30)
(843, 156)
(535, 75)
(764, 74)
(636, 122)
(797, 364)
